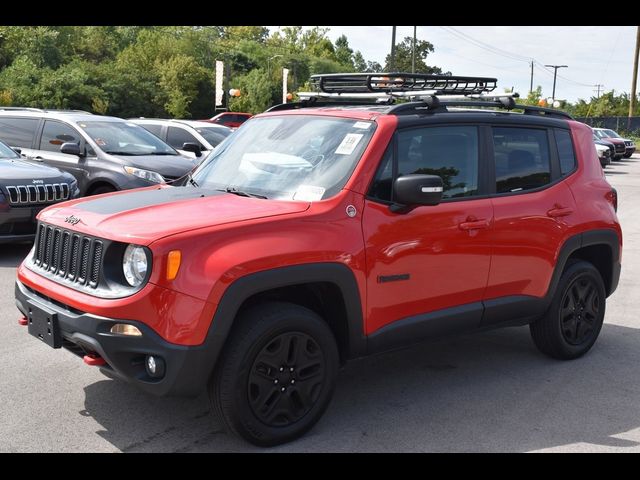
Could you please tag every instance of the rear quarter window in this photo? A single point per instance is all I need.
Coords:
(566, 153)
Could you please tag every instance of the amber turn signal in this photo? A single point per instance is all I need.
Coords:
(173, 264)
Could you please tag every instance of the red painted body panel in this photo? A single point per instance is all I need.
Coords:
(133, 226)
(448, 266)
(526, 241)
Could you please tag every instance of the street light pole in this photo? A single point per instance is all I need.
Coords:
(555, 73)
(413, 52)
(392, 63)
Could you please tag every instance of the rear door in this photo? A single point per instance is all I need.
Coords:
(20, 132)
(534, 212)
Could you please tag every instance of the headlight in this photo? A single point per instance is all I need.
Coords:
(134, 265)
(148, 175)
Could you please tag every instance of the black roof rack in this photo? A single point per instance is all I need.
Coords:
(395, 82)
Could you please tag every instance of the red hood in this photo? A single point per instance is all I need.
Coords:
(147, 214)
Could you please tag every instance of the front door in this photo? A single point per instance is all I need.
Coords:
(428, 268)
(54, 134)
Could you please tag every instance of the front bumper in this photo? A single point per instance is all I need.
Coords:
(18, 223)
(187, 367)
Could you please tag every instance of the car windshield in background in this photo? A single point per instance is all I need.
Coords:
(7, 152)
(124, 138)
(214, 135)
(293, 157)
(611, 133)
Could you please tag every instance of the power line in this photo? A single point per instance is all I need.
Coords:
(555, 73)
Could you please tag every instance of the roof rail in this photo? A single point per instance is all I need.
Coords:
(400, 82)
(504, 102)
(24, 109)
(42, 110)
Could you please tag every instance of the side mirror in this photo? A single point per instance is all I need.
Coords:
(17, 150)
(414, 190)
(71, 148)
(192, 147)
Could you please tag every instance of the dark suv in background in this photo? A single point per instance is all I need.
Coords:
(104, 154)
(25, 189)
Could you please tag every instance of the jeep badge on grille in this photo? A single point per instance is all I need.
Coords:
(72, 220)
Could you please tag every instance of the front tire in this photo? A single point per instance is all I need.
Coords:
(573, 321)
(627, 155)
(276, 375)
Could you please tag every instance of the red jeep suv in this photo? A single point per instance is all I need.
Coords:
(343, 225)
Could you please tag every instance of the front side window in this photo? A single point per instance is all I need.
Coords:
(7, 152)
(18, 132)
(124, 138)
(213, 135)
(177, 137)
(448, 152)
(521, 158)
(288, 157)
(55, 134)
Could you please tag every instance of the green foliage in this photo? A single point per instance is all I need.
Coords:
(403, 57)
(168, 71)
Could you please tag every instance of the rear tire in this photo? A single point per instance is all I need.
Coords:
(573, 321)
(276, 374)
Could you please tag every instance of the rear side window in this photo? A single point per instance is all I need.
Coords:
(18, 132)
(55, 134)
(521, 158)
(177, 137)
(153, 128)
(565, 151)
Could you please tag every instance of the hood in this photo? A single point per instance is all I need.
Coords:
(16, 171)
(169, 166)
(147, 214)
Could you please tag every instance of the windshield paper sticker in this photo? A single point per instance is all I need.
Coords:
(349, 144)
(362, 125)
(308, 193)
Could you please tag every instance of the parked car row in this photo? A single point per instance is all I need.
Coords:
(50, 156)
(611, 146)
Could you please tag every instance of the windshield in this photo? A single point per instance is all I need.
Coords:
(611, 133)
(214, 135)
(124, 138)
(7, 152)
(292, 157)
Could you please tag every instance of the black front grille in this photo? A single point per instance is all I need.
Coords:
(68, 255)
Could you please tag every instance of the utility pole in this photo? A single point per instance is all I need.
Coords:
(632, 102)
(392, 63)
(555, 73)
(531, 84)
(413, 52)
(599, 87)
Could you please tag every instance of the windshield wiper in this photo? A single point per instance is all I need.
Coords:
(240, 193)
(193, 182)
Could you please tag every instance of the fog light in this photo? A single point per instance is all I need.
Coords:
(126, 329)
(154, 366)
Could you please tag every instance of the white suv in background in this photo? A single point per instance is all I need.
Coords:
(189, 137)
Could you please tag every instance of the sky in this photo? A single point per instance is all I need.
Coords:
(594, 55)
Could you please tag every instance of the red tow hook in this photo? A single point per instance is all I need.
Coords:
(94, 360)
(23, 321)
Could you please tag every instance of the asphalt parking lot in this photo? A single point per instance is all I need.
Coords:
(486, 392)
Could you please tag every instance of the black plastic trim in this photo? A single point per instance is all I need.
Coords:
(417, 328)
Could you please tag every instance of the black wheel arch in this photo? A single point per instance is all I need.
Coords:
(254, 284)
(581, 246)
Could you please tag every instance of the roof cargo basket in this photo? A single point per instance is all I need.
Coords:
(401, 82)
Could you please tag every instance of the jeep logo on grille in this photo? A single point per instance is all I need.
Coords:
(38, 181)
(72, 220)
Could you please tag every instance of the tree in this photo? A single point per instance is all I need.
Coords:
(403, 57)
(343, 54)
